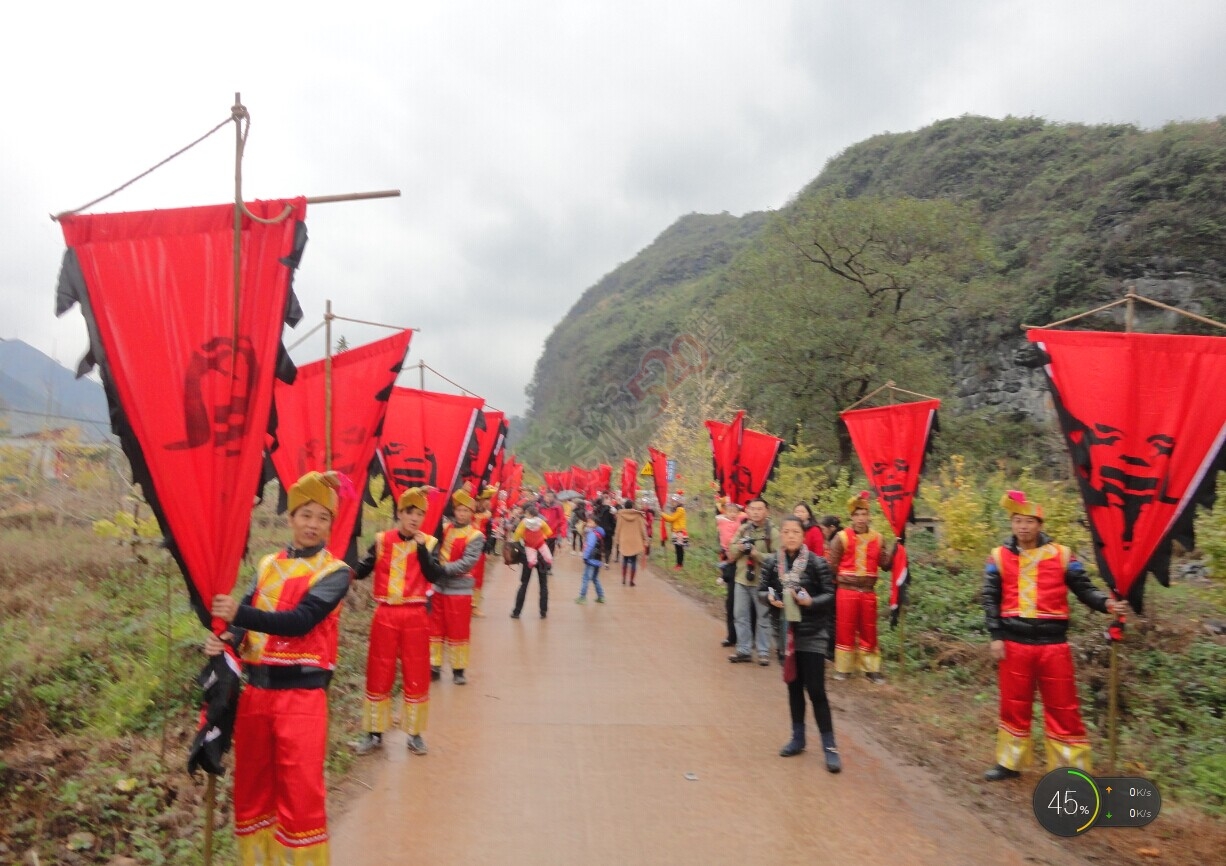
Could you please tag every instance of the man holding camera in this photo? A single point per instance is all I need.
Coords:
(752, 543)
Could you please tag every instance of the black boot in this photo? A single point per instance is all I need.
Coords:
(797, 744)
(999, 774)
(833, 762)
(435, 673)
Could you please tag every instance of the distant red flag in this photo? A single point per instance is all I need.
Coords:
(744, 459)
(891, 442)
(602, 477)
(659, 477)
(490, 439)
(1145, 428)
(722, 457)
(425, 441)
(580, 480)
(362, 380)
(755, 464)
(513, 474)
(630, 479)
(189, 402)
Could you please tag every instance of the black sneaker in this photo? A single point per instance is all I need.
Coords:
(368, 743)
(728, 643)
(740, 658)
(876, 678)
(435, 674)
(416, 744)
(999, 774)
(458, 678)
(514, 614)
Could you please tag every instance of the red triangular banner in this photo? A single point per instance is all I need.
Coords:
(602, 479)
(425, 439)
(630, 479)
(189, 392)
(1144, 427)
(490, 442)
(513, 479)
(744, 460)
(891, 442)
(659, 477)
(362, 380)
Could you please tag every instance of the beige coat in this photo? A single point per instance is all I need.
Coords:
(630, 536)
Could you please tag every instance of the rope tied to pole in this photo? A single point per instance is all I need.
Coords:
(57, 217)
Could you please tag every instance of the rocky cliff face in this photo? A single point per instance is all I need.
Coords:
(1003, 379)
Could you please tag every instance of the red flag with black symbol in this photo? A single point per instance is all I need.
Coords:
(189, 381)
(1144, 427)
(659, 477)
(745, 459)
(630, 479)
(500, 457)
(891, 442)
(426, 439)
(362, 380)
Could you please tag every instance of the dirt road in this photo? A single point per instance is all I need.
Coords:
(619, 734)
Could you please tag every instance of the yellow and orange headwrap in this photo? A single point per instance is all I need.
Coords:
(860, 500)
(488, 493)
(414, 497)
(463, 497)
(1015, 502)
(318, 487)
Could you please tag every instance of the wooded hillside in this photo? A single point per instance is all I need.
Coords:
(912, 256)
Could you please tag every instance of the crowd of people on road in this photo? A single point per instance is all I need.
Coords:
(799, 590)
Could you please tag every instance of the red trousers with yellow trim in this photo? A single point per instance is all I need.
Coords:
(280, 740)
(1049, 667)
(855, 632)
(398, 632)
(450, 630)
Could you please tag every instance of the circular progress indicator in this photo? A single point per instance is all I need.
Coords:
(1067, 802)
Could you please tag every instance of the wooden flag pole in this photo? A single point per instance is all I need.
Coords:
(328, 386)
(210, 808)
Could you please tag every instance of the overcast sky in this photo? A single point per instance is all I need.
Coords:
(537, 144)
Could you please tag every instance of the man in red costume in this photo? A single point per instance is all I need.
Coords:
(858, 555)
(286, 632)
(452, 607)
(483, 522)
(404, 567)
(1025, 598)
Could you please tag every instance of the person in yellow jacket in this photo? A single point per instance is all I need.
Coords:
(675, 518)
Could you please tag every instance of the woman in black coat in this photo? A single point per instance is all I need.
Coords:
(800, 586)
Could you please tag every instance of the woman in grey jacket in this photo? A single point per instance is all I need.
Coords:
(800, 586)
